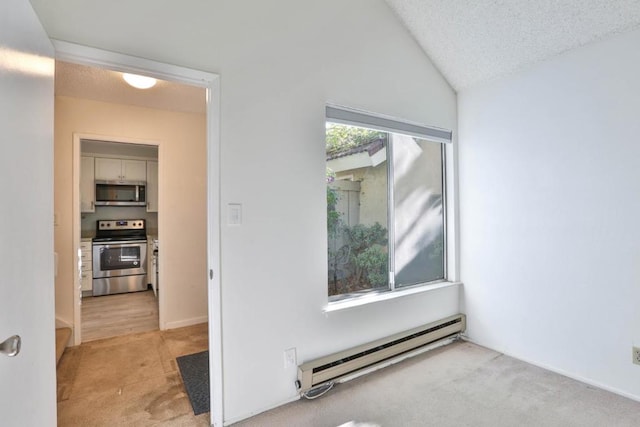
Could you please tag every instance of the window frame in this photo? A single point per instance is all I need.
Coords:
(363, 119)
(393, 287)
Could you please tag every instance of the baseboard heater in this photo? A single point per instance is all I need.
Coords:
(332, 368)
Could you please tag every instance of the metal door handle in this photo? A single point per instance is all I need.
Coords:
(11, 346)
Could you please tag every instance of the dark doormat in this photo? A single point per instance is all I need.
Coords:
(194, 369)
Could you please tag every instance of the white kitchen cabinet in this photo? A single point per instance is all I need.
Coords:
(87, 281)
(134, 170)
(107, 169)
(152, 186)
(87, 185)
(152, 263)
(86, 265)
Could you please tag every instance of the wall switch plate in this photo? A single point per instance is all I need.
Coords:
(636, 355)
(290, 358)
(234, 214)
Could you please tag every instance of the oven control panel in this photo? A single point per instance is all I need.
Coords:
(121, 224)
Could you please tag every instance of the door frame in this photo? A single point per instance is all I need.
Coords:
(84, 55)
(76, 232)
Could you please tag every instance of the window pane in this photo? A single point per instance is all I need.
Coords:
(418, 210)
(356, 209)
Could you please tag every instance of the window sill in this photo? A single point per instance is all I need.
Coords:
(384, 296)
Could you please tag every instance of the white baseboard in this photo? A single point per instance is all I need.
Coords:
(186, 322)
(60, 323)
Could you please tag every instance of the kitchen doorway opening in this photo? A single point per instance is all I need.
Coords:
(82, 55)
(119, 243)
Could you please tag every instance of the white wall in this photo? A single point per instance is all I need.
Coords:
(182, 216)
(550, 203)
(280, 62)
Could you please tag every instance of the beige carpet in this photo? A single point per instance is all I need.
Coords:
(458, 385)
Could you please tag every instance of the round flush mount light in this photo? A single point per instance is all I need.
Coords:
(140, 82)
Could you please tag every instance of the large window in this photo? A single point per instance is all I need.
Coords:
(385, 204)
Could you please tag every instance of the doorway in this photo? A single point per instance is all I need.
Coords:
(121, 297)
(117, 136)
(116, 62)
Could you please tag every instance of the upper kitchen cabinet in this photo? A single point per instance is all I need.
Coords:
(120, 169)
(152, 186)
(87, 186)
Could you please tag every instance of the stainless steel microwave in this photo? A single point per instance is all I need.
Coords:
(121, 193)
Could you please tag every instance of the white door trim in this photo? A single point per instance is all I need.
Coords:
(84, 55)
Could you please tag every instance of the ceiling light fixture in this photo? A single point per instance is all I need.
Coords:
(140, 82)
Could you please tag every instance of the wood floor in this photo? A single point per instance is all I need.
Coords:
(121, 314)
(130, 380)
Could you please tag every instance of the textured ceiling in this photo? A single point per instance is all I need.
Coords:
(474, 41)
(98, 84)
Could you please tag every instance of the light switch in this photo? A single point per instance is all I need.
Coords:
(234, 214)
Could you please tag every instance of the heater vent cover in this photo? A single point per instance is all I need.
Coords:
(338, 365)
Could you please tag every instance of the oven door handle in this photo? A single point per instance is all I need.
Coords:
(115, 245)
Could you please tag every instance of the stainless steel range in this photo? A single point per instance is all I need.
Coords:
(119, 256)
